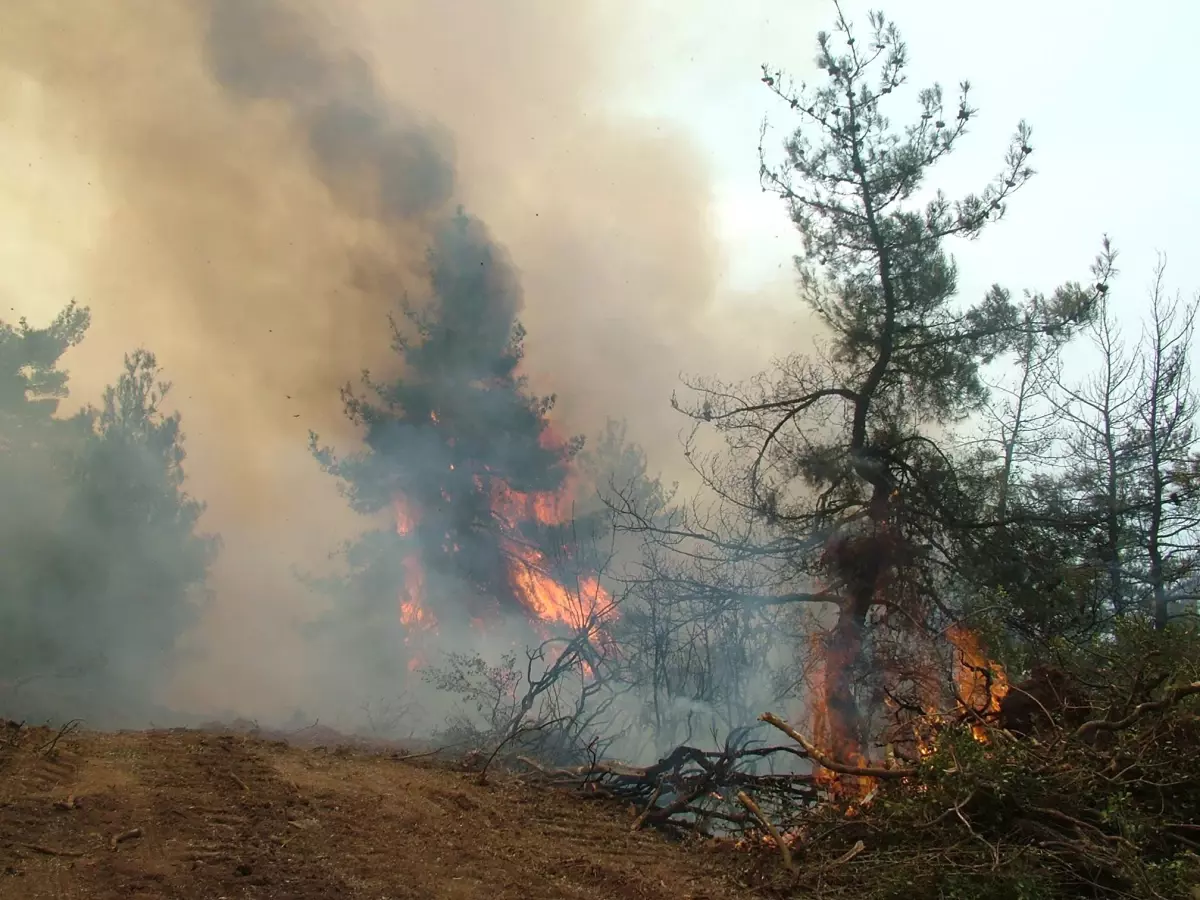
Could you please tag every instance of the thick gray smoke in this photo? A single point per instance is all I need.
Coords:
(261, 49)
(247, 187)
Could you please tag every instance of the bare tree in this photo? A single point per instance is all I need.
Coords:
(1166, 447)
(1128, 431)
(1099, 416)
(1017, 418)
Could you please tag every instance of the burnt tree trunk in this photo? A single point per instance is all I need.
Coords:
(860, 564)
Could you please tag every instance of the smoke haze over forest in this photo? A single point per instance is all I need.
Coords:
(423, 378)
(247, 189)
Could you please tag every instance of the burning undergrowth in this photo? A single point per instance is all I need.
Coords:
(1096, 796)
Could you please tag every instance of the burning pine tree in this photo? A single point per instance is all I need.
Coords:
(843, 464)
(465, 459)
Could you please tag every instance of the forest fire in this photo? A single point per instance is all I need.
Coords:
(546, 598)
(977, 685)
(414, 615)
(830, 734)
(513, 516)
(482, 488)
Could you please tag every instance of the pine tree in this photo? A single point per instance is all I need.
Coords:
(840, 459)
(34, 453)
(450, 440)
(134, 560)
(102, 561)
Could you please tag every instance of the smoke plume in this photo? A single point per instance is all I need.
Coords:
(248, 186)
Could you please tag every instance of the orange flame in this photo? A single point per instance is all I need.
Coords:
(543, 507)
(547, 600)
(545, 597)
(980, 684)
(413, 614)
(821, 728)
(551, 601)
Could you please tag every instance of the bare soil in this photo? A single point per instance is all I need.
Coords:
(202, 814)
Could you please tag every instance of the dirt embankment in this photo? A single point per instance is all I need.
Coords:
(191, 814)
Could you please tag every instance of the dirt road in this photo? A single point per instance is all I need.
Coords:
(192, 815)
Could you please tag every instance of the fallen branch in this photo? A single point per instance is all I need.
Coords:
(858, 848)
(640, 820)
(515, 732)
(66, 729)
(754, 810)
(689, 787)
(817, 756)
(1172, 697)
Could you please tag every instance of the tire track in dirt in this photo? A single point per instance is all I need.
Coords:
(206, 816)
(418, 831)
(202, 815)
(228, 823)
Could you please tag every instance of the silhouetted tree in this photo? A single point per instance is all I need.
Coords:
(34, 455)
(135, 561)
(1166, 448)
(1107, 515)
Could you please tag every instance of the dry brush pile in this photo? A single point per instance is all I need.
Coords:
(1086, 783)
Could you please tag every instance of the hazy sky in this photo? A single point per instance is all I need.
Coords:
(1102, 83)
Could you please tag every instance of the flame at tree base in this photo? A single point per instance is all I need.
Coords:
(976, 688)
(831, 733)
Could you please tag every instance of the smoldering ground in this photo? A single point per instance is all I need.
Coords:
(247, 186)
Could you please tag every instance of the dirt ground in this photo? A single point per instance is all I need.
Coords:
(200, 814)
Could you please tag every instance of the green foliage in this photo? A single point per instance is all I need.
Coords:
(102, 559)
(857, 439)
(846, 480)
(131, 528)
(1102, 809)
(861, 477)
(1096, 520)
(903, 351)
(30, 382)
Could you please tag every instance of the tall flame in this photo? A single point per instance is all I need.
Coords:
(822, 727)
(980, 684)
(414, 613)
(546, 599)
